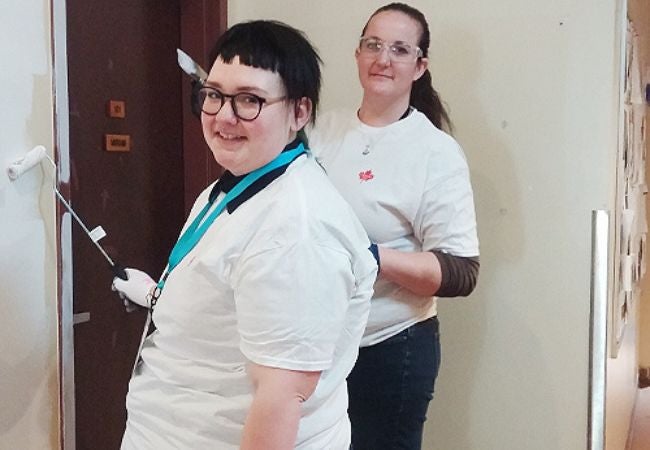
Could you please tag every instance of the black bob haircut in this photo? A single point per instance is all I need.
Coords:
(278, 47)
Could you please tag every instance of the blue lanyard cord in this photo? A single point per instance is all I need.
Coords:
(198, 227)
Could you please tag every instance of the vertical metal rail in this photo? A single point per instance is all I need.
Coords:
(598, 328)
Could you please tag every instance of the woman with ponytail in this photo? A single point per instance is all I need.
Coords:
(409, 184)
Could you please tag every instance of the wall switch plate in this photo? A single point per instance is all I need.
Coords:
(117, 109)
(117, 142)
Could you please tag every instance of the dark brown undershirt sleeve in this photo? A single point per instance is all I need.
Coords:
(459, 274)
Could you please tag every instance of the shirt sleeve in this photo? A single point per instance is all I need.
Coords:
(446, 219)
(291, 305)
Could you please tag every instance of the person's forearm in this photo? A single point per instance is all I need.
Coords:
(419, 272)
(272, 422)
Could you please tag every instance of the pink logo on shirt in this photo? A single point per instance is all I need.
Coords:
(366, 176)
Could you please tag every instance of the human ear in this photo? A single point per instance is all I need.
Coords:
(302, 113)
(421, 67)
(357, 54)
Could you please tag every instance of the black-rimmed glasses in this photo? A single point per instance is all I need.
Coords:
(245, 106)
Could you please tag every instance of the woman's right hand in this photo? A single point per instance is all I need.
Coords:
(137, 288)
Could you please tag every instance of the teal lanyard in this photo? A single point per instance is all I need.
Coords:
(193, 234)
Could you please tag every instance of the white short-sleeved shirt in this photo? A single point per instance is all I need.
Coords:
(284, 281)
(409, 184)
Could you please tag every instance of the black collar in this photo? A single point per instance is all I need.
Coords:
(228, 181)
(406, 113)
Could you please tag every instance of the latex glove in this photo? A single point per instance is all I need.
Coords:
(137, 288)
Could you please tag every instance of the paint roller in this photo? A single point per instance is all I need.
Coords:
(17, 168)
(22, 165)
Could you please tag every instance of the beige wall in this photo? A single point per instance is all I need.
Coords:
(532, 89)
(28, 323)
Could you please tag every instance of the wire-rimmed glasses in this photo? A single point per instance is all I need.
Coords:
(397, 51)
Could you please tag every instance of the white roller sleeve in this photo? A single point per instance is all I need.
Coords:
(31, 159)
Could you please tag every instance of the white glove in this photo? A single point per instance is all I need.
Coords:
(138, 288)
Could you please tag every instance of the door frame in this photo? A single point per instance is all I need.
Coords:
(65, 334)
(202, 22)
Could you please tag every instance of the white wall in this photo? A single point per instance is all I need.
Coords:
(28, 323)
(531, 88)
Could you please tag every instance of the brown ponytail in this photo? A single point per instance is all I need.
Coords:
(425, 99)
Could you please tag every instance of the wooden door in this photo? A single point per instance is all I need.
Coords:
(125, 51)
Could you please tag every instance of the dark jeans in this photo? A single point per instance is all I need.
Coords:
(391, 386)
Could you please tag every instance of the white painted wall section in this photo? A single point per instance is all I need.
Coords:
(28, 324)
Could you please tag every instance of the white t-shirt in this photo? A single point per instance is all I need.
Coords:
(285, 281)
(409, 184)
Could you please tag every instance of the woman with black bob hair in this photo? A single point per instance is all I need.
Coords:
(408, 182)
(261, 308)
